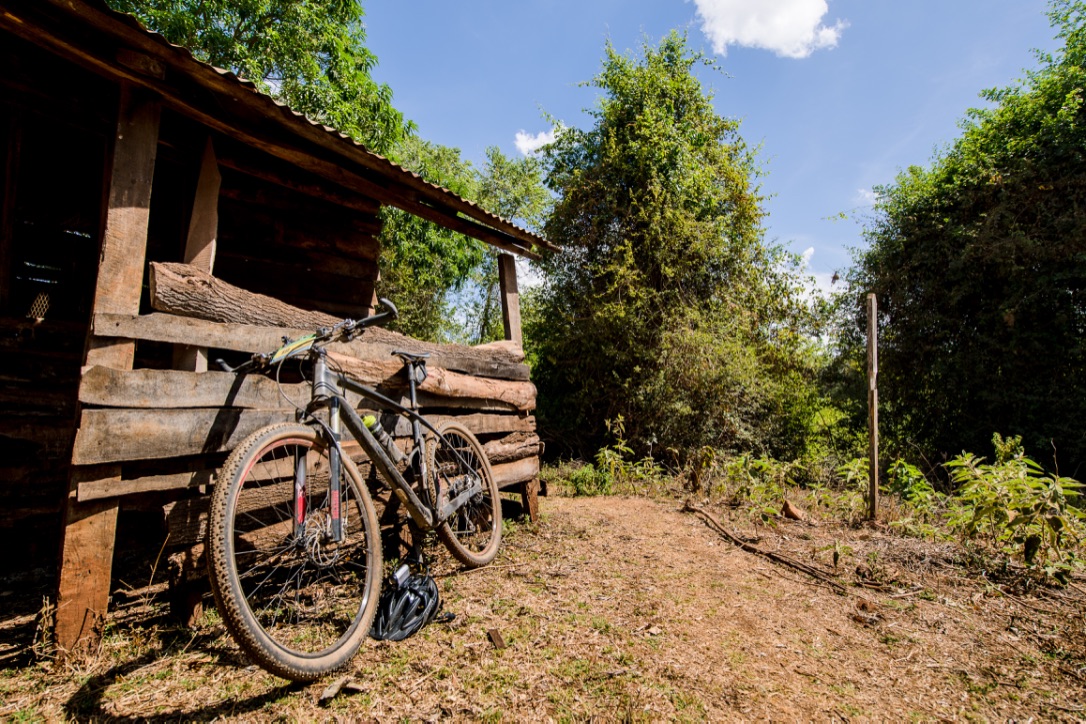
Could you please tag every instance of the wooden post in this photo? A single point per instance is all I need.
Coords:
(510, 296)
(7, 210)
(872, 407)
(201, 244)
(90, 528)
(529, 495)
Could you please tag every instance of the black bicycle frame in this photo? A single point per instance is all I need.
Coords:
(325, 391)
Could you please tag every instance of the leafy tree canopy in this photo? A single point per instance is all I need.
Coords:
(310, 55)
(979, 263)
(432, 271)
(665, 306)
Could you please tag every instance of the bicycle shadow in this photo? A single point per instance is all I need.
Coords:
(87, 703)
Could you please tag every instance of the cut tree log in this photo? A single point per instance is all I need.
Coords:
(183, 290)
(389, 373)
(517, 446)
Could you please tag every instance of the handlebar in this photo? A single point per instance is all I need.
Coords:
(376, 320)
(348, 328)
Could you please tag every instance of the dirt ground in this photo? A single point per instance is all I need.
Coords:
(618, 608)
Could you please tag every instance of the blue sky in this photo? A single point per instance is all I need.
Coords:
(839, 96)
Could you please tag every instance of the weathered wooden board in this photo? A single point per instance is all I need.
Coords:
(180, 330)
(187, 519)
(478, 423)
(507, 474)
(90, 528)
(108, 435)
(97, 489)
(174, 389)
(510, 298)
(511, 448)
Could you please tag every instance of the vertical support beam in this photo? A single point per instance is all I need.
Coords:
(201, 244)
(204, 224)
(13, 136)
(510, 296)
(90, 528)
(872, 407)
(529, 495)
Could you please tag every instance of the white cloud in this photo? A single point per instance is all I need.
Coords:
(807, 254)
(866, 197)
(528, 143)
(790, 28)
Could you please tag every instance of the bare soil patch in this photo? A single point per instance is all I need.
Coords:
(627, 608)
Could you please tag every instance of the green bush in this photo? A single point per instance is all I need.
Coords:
(1018, 509)
(588, 480)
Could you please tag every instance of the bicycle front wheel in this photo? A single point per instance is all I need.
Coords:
(295, 598)
(474, 533)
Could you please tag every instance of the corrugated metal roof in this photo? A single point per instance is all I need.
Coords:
(373, 161)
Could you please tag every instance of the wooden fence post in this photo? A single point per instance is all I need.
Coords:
(872, 407)
(201, 244)
(510, 297)
(90, 528)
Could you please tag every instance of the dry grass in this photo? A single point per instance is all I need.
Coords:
(626, 608)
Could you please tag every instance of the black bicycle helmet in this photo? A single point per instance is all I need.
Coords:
(406, 607)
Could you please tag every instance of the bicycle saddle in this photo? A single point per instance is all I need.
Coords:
(410, 356)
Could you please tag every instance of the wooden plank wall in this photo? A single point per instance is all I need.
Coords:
(187, 421)
(161, 414)
(54, 125)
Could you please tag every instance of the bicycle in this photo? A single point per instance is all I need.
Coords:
(294, 545)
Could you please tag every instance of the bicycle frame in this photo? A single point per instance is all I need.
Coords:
(325, 393)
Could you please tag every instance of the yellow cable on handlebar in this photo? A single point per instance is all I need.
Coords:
(302, 343)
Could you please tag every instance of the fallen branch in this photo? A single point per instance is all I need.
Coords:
(775, 557)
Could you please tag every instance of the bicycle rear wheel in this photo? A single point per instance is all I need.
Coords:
(474, 533)
(298, 602)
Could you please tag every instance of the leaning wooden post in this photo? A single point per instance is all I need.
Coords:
(201, 243)
(872, 407)
(90, 527)
(510, 297)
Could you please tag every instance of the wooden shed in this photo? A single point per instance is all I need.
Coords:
(135, 180)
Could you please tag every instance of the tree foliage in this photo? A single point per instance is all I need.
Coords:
(310, 55)
(979, 264)
(665, 307)
(514, 190)
(444, 282)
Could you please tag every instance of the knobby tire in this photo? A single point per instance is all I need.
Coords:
(299, 606)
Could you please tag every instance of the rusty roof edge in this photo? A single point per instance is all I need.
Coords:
(341, 142)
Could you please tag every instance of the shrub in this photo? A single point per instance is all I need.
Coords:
(1017, 508)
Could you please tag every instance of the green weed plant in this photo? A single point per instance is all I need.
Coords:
(1018, 509)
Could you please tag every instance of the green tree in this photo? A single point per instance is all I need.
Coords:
(310, 55)
(979, 264)
(422, 263)
(514, 190)
(445, 283)
(665, 306)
